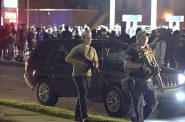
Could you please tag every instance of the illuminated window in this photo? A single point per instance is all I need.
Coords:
(10, 15)
(11, 3)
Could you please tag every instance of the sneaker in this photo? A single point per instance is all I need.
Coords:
(85, 120)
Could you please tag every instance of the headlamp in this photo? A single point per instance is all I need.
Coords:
(181, 79)
(180, 96)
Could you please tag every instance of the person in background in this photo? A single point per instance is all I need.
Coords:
(66, 35)
(133, 38)
(30, 39)
(82, 75)
(20, 42)
(159, 47)
(180, 56)
(124, 37)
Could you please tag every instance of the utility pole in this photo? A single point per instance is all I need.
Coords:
(153, 14)
(27, 13)
(112, 14)
(0, 11)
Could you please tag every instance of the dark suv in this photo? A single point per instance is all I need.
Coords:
(48, 73)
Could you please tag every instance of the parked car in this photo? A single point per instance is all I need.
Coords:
(48, 73)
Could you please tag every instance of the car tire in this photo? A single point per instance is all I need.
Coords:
(45, 93)
(114, 102)
(169, 107)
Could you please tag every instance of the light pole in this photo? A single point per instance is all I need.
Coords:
(112, 14)
(153, 14)
(27, 13)
(0, 11)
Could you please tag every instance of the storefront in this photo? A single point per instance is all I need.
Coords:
(9, 11)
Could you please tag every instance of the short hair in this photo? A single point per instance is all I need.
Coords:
(141, 34)
(86, 33)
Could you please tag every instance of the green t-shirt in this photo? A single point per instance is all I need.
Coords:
(88, 52)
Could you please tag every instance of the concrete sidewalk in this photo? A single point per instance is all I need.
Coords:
(13, 62)
(20, 115)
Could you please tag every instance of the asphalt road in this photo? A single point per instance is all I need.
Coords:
(13, 86)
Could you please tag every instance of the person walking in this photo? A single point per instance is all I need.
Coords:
(82, 73)
(143, 93)
(180, 57)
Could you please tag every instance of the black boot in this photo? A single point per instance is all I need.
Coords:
(16, 58)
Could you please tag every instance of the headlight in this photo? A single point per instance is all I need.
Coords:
(181, 79)
(180, 96)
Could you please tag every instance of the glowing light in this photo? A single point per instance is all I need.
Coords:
(11, 3)
(10, 15)
(167, 16)
(181, 79)
(180, 96)
(112, 14)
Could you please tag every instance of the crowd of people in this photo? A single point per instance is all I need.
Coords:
(164, 42)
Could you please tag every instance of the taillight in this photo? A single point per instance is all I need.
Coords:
(26, 66)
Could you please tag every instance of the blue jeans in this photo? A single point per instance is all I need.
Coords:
(82, 84)
(144, 100)
(10, 53)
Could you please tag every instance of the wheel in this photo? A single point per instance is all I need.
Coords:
(45, 93)
(114, 102)
(169, 107)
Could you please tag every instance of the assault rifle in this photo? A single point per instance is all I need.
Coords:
(147, 56)
(90, 64)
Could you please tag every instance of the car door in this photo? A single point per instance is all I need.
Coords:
(108, 51)
(60, 72)
(95, 89)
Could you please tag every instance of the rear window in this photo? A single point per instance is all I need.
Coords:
(42, 51)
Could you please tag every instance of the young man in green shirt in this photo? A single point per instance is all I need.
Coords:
(82, 73)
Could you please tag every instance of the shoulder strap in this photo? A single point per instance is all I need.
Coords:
(89, 51)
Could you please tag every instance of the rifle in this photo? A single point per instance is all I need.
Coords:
(147, 56)
(90, 64)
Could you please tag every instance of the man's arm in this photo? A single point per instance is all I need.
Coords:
(130, 65)
(70, 58)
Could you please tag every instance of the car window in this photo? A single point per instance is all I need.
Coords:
(111, 51)
(115, 56)
(60, 54)
(42, 51)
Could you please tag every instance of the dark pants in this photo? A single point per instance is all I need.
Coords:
(82, 84)
(144, 100)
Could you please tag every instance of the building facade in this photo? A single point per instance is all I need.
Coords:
(80, 12)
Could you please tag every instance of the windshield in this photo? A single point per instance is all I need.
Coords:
(112, 51)
(115, 55)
